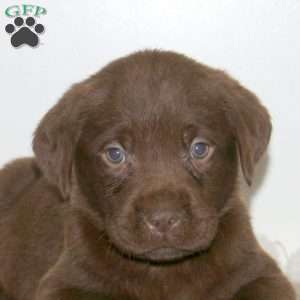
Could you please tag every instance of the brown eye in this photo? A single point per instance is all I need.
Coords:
(199, 150)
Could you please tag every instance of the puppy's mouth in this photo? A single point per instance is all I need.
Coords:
(165, 254)
(165, 248)
(162, 254)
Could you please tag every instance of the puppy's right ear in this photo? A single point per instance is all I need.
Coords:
(55, 140)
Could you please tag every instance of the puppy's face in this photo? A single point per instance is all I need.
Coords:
(158, 161)
(154, 140)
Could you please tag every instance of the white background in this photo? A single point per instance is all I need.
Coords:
(256, 41)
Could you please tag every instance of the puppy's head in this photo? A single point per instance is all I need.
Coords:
(154, 140)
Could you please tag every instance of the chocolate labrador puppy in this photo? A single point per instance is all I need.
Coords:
(134, 194)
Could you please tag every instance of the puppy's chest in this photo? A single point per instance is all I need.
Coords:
(161, 291)
(168, 287)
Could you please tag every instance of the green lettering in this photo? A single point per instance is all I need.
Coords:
(12, 11)
(40, 11)
(27, 9)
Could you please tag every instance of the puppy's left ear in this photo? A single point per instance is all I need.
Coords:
(251, 126)
(55, 140)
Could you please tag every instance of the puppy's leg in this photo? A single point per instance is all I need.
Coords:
(67, 281)
(71, 294)
(267, 288)
(57, 287)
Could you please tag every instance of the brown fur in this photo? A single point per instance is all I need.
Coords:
(74, 226)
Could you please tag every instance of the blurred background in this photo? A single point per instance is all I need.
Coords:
(257, 42)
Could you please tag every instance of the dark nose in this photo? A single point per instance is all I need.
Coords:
(162, 222)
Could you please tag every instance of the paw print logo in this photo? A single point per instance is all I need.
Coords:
(24, 33)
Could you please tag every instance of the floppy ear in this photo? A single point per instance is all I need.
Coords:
(251, 126)
(55, 140)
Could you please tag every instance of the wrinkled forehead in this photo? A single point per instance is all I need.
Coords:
(165, 112)
(159, 99)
